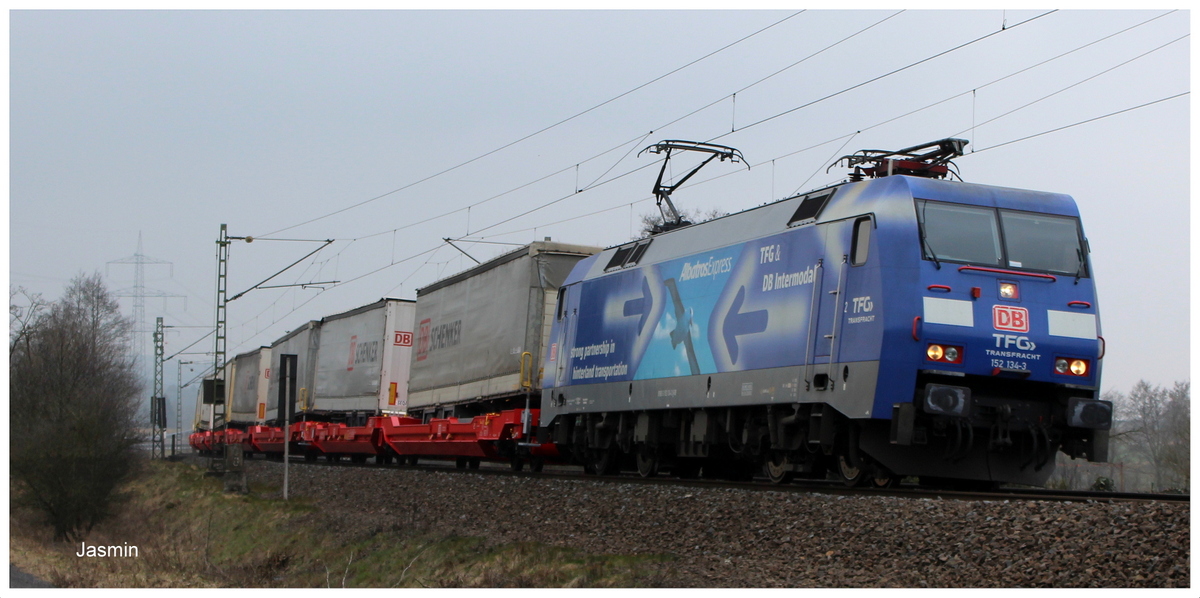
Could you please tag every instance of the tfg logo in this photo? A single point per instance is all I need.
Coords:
(1008, 341)
(1009, 318)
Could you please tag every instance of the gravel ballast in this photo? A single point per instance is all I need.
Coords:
(740, 538)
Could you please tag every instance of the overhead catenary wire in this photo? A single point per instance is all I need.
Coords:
(540, 131)
(851, 135)
(635, 139)
(818, 170)
(1082, 122)
(598, 182)
(210, 333)
(563, 198)
(885, 75)
(285, 269)
(1073, 85)
(857, 33)
(813, 102)
(319, 292)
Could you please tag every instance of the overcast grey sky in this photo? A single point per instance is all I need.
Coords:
(168, 124)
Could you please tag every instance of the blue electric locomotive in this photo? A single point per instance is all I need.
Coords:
(899, 324)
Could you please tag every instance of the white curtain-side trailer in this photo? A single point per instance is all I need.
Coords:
(362, 361)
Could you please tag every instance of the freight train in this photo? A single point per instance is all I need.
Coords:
(899, 324)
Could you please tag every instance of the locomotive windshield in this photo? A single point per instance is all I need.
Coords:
(1000, 238)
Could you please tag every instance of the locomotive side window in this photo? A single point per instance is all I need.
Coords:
(861, 242)
(1042, 242)
(562, 302)
(959, 233)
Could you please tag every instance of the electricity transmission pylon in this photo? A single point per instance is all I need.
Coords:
(139, 292)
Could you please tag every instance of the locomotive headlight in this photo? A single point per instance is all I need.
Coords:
(1072, 367)
(951, 354)
(944, 353)
(1009, 290)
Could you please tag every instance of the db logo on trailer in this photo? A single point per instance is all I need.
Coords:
(1012, 319)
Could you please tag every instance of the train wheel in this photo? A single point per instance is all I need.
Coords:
(881, 478)
(310, 456)
(647, 461)
(850, 475)
(517, 464)
(412, 460)
(382, 459)
(779, 468)
(885, 482)
(605, 461)
(536, 464)
(460, 463)
(473, 463)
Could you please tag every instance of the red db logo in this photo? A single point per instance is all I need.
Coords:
(1012, 319)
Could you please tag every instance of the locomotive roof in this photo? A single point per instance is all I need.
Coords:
(849, 199)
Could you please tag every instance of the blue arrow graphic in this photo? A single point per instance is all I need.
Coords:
(641, 306)
(738, 324)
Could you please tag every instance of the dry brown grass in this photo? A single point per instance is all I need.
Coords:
(190, 534)
(167, 555)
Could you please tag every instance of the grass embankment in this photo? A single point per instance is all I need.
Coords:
(191, 534)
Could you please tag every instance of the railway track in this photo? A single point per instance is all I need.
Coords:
(761, 484)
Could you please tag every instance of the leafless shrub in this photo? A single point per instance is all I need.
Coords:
(1151, 437)
(73, 406)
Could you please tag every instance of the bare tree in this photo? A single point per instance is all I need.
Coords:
(1154, 424)
(695, 215)
(73, 405)
(24, 308)
(1177, 456)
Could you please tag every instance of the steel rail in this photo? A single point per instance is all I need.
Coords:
(760, 484)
